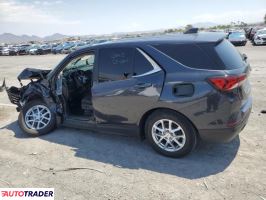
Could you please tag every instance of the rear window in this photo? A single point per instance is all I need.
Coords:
(204, 56)
(229, 55)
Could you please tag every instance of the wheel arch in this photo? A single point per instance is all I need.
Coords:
(32, 94)
(142, 121)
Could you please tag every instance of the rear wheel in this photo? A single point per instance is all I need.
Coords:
(36, 118)
(170, 133)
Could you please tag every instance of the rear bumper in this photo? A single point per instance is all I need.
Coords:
(227, 134)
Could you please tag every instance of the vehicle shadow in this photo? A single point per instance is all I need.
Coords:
(131, 153)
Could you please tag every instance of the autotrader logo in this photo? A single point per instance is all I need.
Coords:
(27, 193)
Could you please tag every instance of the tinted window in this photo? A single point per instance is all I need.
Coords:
(229, 55)
(115, 64)
(190, 55)
(141, 64)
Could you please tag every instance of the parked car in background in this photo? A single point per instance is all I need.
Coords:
(253, 32)
(67, 47)
(9, 51)
(40, 49)
(77, 46)
(23, 49)
(57, 49)
(45, 49)
(248, 31)
(33, 50)
(237, 38)
(5, 51)
(171, 90)
(260, 37)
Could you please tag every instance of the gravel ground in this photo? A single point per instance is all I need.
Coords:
(86, 165)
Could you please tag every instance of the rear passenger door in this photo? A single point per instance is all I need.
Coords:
(129, 82)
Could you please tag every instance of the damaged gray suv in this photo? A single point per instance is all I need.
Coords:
(172, 90)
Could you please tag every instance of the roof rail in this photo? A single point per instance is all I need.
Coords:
(192, 30)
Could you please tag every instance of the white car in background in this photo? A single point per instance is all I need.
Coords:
(260, 37)
(5, 51)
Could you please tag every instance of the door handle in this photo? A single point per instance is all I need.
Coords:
(142, 85)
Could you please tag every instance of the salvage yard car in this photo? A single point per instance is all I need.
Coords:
(260, 37)
(237, 38)
(172, 90)
(9, 51)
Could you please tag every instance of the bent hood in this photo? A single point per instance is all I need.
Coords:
(31, 73)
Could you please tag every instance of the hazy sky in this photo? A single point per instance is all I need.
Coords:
(81, 17)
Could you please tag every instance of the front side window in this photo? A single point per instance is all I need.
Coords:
(115, 64)
(84, 62)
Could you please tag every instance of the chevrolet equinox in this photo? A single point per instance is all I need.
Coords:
(172, 90)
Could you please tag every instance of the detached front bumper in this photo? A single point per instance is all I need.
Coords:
(14, 94)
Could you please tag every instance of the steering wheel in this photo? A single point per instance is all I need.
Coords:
(80, 78)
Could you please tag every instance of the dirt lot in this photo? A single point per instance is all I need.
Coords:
(117, 167)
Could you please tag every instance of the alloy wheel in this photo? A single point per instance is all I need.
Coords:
(168, 135)
(37, 117)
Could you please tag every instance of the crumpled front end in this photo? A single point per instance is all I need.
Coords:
(38, 88)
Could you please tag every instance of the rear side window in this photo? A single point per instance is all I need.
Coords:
(115, 64)
(141, 64)
(229, 55)
(189, 55)
(204, 56)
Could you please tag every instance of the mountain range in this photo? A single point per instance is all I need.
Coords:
(11, 38)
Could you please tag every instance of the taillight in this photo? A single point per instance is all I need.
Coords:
(227, 83)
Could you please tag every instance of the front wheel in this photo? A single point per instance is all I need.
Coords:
(170, 133)
(36, 118)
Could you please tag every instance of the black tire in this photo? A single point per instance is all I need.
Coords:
(33, 132)
(188, 130)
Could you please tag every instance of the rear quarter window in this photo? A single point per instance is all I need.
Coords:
(229, 55)
(190, 55)
(213, 56)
